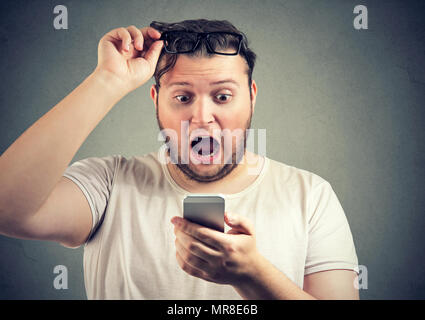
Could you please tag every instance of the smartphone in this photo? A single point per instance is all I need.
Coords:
(205, 209)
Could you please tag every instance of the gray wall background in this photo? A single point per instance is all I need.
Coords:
(344, 104)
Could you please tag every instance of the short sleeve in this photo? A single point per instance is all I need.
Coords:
(330, 242)
(95, 177)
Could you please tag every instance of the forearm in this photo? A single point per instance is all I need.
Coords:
(34, 163)
(268, 283)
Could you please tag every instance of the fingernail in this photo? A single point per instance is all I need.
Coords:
(175, 220)
(230, 218)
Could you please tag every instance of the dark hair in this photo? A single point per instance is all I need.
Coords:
(200, 25)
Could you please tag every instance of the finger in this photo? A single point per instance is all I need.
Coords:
(240, 223)
(196, 247)
(190, 269)
(150, 35)
(152, 55)
(190, 258)
(151, 45)
(213, 238)
(137, 36)
(124, 35)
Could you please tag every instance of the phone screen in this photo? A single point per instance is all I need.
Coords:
(206, 210)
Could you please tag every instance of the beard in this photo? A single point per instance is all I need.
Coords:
(238, 151)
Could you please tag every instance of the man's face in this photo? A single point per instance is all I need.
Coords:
(207, 95)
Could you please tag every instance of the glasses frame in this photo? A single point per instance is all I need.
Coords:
(200, 36)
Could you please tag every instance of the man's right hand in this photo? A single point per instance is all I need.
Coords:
(130, 55)
(54, 208)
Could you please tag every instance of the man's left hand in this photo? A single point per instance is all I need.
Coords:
(226, 258)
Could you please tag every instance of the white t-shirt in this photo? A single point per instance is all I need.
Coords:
(300, 227)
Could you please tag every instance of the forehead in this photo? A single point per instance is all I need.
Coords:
(204, 69)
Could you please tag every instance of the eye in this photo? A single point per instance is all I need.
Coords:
(184, 99)
(223, 97)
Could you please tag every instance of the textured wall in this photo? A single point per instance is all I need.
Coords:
(342, 103)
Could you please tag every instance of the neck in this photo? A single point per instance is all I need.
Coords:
(238, 179)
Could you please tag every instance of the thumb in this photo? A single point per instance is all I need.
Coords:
(239, 223)
(153, 53)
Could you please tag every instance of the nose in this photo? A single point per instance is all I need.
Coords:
(203, 112)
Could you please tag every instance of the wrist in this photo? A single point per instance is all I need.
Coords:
(251, 280)
(110, 82)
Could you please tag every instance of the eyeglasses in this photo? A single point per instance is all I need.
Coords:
(225, 43)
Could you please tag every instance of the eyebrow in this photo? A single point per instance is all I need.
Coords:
(182, 83)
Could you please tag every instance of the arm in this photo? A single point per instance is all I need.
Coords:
(332, 284)
(32, 166)
(35, 201)
(233, 259)
(270, 283)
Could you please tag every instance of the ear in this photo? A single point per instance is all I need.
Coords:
(253, 94)
(154, 95)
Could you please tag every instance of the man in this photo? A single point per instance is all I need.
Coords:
(288, 237)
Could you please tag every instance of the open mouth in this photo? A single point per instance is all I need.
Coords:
(205, 147)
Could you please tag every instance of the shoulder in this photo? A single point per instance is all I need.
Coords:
(297, 185)
(143, 168)
(148, 160)
(294, 176)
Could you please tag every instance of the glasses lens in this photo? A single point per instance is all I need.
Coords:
(177, 41)
(224, 42)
